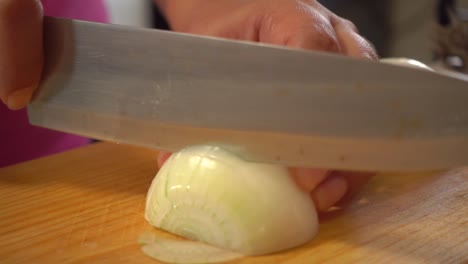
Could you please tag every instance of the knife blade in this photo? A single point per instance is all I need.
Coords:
(168, 90)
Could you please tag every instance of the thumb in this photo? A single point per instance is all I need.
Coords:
(22, 55)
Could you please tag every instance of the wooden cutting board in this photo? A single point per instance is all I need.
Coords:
(86, 206)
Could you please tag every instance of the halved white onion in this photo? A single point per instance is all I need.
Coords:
(207, 194)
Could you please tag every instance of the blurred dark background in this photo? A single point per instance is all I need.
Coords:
(370, 16)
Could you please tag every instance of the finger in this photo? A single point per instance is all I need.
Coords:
(21, 53)
(329, 192)
(308, 179)
(353, 44)
(319, 36)
(162, 158)
(355, 181)
(341, 22)
(309, 30)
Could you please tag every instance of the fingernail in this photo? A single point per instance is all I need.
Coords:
(329, 192)
(19, 98)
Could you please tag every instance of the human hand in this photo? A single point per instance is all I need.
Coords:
(303, 24)
(21, 55)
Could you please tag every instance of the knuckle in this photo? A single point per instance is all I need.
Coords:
(368, 48)
(325, 38)
(350, 24)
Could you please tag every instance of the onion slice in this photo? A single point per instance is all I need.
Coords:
(183, 251)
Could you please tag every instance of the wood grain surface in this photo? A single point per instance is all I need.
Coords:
(87, 205)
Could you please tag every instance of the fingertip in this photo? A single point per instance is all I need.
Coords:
(359, 47)
(20, 98)
(353, 44)
(307, 179)
(21, 58)
(355, 181)
(329, 192)
(163, 157)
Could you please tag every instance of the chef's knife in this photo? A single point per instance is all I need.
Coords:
(167, 90)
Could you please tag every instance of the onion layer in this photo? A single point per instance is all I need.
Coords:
(183, 252)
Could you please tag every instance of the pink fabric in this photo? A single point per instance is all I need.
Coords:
(19, 141)
(89, 10)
